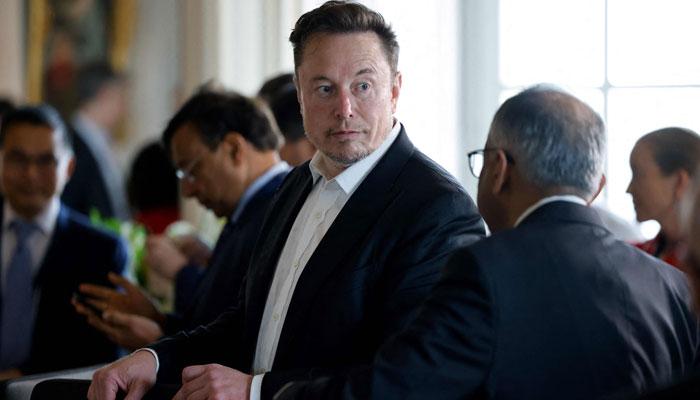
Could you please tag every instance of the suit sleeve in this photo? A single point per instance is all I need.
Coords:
(445, 352)
(214, 342)
(424, 241)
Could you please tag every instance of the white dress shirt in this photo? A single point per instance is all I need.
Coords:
(38, 241)
(322, 206)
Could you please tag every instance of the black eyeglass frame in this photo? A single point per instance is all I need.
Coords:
(471, 154)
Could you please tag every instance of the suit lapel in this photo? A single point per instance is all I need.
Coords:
(48, 267)
(266, 254)
(347, 231)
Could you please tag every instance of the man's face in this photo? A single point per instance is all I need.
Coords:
(213, 179)
(348, 95)
(653, 192)
(35, 167)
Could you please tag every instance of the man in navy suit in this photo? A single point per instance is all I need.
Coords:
(225, 148)
(551, 306)
(46, 251)
(353, 241)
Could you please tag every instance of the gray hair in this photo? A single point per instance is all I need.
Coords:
(555, 139)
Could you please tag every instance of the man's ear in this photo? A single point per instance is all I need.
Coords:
(682, 180)
(71, 168)
(296, 84)
(500, 173)
(601, 185)
(235, 146)
(396, 91)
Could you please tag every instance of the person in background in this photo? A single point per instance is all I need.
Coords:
(46, 250)
(224, 147)
(152, 189)
(662, 163)
(280, 93)
(98, 181)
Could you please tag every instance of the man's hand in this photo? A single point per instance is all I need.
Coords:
(132, 301)
(163, 257)
(130, 331)
(213, 381)
(134, 374)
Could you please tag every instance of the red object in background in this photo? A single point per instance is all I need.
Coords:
(157, 219)
(656, 245)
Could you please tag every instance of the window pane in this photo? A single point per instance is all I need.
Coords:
(552, 41)
(633, 113)
(653, 42)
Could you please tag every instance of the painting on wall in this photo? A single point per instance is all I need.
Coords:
(64, 35)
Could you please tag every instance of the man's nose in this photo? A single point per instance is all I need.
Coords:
(344, 108)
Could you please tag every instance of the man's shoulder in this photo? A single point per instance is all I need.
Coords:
(421, 168)
(79, 227)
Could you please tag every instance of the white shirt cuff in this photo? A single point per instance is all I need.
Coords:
(155, 355)
(256, 387)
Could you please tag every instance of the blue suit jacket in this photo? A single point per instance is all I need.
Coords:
(77, 253)
(556, 308)
(379, 258)
(217, 285)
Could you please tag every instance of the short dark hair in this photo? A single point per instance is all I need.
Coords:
(674, 148)
(339, 17)
(42, 114)
(152, 181)
(556, 139)
(5, 106)
(92, 77)
(281, 95)
(214, 113)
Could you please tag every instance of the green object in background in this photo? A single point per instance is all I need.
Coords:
(135, 236)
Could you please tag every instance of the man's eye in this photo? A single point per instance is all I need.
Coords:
(324, 89)
(363, 86)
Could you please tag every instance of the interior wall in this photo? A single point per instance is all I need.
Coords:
(11, 48)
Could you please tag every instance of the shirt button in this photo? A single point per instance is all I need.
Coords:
(296, 264)
(276, 317)
(318, 214)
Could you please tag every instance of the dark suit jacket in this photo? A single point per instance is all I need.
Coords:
(378, 260)
(77, 253)
(221, 280)
(556, 308)
(86, 188)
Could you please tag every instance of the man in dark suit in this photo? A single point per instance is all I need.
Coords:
(47, 250)
(225, 148)
(352, 243)
(551, 306)
(98, 181)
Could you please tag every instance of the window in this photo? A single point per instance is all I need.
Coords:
(633, 61)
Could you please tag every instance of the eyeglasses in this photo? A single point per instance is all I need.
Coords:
(19, 160)
(476, 160)
(188, 172)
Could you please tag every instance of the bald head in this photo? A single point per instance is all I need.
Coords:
(557, 141)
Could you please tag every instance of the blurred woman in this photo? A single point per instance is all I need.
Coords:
(662, 163)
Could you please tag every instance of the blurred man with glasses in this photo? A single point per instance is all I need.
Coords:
(46, 250)
(224, 146)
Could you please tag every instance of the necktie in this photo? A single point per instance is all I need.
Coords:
(18, 300)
